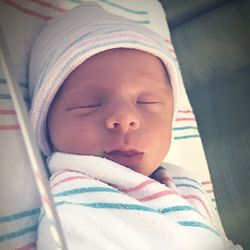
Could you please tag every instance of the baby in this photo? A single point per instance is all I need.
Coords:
(118, 104)
(104, 95)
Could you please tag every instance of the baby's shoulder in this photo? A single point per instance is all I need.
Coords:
(176, 171)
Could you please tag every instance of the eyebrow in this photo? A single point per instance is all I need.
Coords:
(156, 84)
(145, 77)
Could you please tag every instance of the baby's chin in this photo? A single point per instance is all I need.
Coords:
(136, 161)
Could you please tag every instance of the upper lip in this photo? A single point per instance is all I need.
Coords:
(123, 152)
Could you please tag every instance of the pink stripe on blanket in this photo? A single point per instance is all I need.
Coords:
(206, 182)
(70, 178)
(48, 5)
(210, 191)
(31, 245)
(26, 11)
(185, 111)
(57, 174)
(138, 187)
(195, 197)
(7, 112)
(171, 49)
(9, 127)
(158, 195)
(168, 41)
(184, 119)
(185, 115)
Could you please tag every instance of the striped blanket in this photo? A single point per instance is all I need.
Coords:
(104, 205)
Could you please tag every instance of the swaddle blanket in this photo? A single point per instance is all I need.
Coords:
(104, 205)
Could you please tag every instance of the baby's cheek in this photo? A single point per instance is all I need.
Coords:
(162, 136)
(87, 139)
(162, 126)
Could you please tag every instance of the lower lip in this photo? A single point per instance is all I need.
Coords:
(128, 161)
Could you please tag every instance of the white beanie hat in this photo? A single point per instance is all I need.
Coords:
(70, 39)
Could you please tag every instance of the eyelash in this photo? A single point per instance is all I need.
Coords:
(99, 105)
(147, 102)
(93, 106)
(86, 107)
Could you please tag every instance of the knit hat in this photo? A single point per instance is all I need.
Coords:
(70, 39)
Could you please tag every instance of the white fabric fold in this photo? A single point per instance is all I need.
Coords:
(104, 205)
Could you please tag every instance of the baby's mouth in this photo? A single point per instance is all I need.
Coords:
(127, 158)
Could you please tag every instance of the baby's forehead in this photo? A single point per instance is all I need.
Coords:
(118, 55)
(118, 66)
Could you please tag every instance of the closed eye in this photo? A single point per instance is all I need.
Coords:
(89, 106)
(139, 102)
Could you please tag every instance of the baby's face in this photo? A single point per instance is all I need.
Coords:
(119, 105)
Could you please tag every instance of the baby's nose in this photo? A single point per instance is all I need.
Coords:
(122, 119)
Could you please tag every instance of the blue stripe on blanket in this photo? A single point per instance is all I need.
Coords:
(176, 209)
(19, 233)
(8, 97)
(139, 12)
(126, 206)
(141, 21)
(5, 96)
(21, 215)
(23, 84)
(86, 190)
(197, 224)
(139, 208)
(108, 205)
(2, 81)
(186, 137)
(184, 128)
(189, 185)
(186, 178)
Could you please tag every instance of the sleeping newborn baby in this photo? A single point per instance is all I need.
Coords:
(104, 95)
